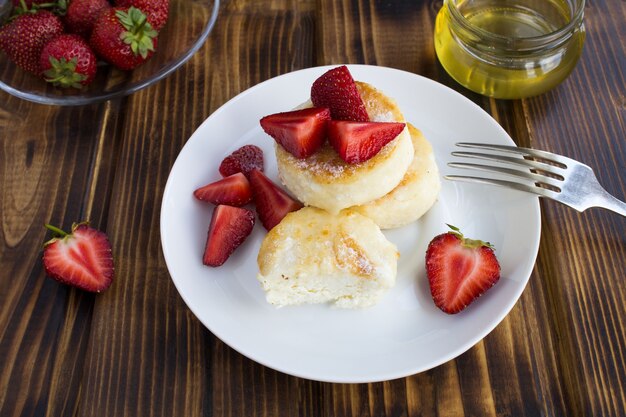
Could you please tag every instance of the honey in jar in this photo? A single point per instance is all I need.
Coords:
(509, 48)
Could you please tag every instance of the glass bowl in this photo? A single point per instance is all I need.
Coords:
(188, 26)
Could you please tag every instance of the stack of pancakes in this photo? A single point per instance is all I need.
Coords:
(334, 249)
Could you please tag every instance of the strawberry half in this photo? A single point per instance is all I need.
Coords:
(459, 270)
(244, 160)
(233, 190)
(336, 90)
(357, 142)
(299, 132)
(272, 203)
(82, 259)
(230, 226)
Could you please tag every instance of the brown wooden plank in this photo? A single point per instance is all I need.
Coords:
(142, 334)
(147, 353)
(137, 349)
(583, 254)
(393, 34)
(508, 359)
(48, 161)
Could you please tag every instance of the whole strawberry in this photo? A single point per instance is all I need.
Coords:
(123, 37)
(24, 37)
(81, 15)
(459, 270)
(156, 10)
(82, 258)
(68, 61)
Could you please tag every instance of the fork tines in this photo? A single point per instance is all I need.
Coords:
(543, 169)
(539, 172)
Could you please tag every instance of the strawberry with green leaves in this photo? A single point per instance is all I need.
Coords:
(459, 270)
(23, 38)
(68, 61)
(123, 37)
(157, 11)
(82, 258)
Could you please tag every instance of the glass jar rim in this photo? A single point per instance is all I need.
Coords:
(522, 43)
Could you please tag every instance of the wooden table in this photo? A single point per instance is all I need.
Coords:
(137, 350)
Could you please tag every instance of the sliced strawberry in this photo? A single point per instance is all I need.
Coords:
(230, 226)
(82, 259)
(357, 142)
(244, 159)
(233, 190)
(272, 203)
(336, 90)
(300, 132)
(459, 270)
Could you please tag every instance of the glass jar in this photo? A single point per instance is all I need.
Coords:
(509, 48)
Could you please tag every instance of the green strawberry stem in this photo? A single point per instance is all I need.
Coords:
(139, 34)
(56, 230)
(62, 73)
(22, 8)
(58, 7)
(465, 242)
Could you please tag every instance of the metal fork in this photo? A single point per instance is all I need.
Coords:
(546, 174)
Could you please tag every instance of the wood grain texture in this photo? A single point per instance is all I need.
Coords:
(137, 350)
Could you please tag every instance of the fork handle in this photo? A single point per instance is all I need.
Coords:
(609, 202)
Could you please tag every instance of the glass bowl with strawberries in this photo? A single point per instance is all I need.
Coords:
(76, 52)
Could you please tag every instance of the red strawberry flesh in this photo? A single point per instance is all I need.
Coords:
(243, 160)
(233, 190)
(337, 90)
(230, 227)
(272, 202)
(459, 270)
(299, 132)
(356, 142)
(82, 259)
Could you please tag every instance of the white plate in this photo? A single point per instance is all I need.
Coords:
(405, 333)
